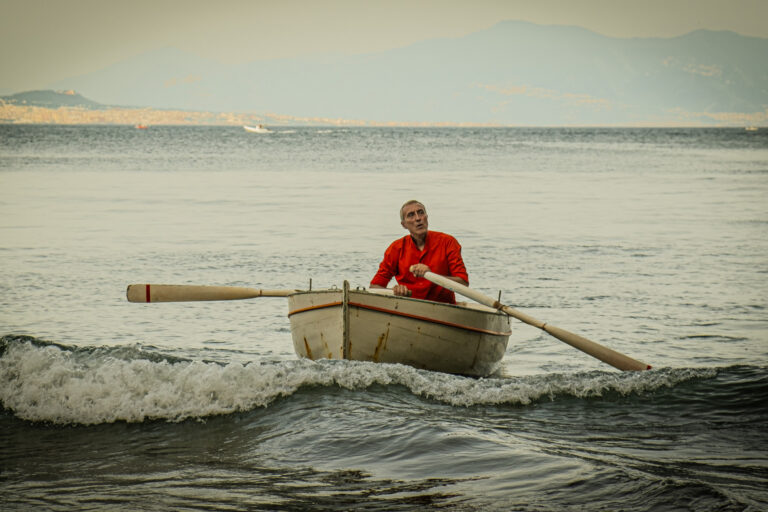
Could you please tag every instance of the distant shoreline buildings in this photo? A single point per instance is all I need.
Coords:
(70, 108)
(31, 114)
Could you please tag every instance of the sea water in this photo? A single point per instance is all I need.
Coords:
(653, 242)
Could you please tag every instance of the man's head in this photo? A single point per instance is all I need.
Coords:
(413, 217)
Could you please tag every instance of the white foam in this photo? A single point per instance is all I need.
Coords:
(49, 384)
(58, 386)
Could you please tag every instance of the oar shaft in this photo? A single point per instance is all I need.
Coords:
(605, 354)
(185, 293)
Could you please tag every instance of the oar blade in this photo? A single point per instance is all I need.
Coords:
(144, 293)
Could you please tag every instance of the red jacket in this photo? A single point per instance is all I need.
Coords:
(442, 254)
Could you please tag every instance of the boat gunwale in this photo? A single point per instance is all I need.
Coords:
(465, 306)
(411, 316)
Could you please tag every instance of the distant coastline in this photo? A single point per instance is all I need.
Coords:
(68, 107)
(15, 114)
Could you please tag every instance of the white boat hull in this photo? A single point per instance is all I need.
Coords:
(363, 326)
(257, 129)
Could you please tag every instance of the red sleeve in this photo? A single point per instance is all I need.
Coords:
(455, 262)
(387, 267)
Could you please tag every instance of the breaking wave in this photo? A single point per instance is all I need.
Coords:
(46, 382)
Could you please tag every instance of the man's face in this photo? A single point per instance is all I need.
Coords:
(415, 219)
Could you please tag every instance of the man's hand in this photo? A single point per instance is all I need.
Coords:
(419, 269)
(401, 290)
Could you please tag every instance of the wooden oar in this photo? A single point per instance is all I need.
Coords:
(185, 293)
(596, 350)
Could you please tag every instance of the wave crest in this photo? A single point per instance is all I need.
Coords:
(51, 383)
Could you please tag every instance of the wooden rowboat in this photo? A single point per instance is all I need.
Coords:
(362, 325)
(371, 325)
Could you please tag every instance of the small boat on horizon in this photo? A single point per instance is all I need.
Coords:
(751, 128)
(259, 128)
(141, 127)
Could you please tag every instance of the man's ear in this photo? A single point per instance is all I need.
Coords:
(402, 223)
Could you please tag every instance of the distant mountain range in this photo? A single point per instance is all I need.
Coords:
(51, 99)
(514, 73)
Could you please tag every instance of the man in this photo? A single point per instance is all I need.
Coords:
(408, 258)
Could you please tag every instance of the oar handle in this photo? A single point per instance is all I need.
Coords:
(185, 293)
(605, 354)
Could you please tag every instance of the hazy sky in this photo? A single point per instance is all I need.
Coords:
(46, 40)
